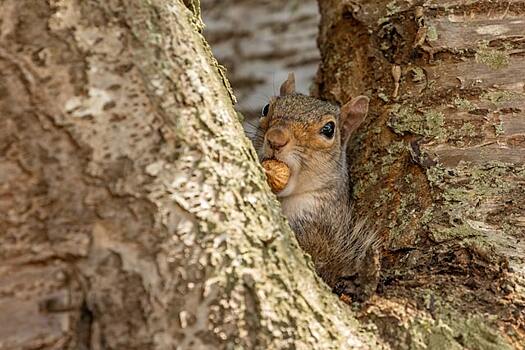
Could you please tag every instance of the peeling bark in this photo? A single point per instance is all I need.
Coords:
(133, 213)
(441, 163)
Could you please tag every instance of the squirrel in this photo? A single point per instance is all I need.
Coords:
(310, 136)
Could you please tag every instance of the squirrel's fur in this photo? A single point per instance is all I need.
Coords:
(317, 199)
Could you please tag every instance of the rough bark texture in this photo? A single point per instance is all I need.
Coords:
(133, 214)
(260, 42)
(441, 162)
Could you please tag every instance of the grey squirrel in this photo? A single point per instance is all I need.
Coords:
(310, 136)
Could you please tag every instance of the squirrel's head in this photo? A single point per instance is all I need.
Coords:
(309, 135)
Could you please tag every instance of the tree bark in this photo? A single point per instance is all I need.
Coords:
(133, 212)
(441, 162)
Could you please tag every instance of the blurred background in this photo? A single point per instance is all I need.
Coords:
(259, 42)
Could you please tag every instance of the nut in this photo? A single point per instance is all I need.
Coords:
(277, 174)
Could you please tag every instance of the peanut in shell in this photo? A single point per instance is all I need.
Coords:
(277, 174)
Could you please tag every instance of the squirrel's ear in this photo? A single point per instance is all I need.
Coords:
(353, 113)
(288, 87)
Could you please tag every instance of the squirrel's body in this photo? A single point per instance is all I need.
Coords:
(328, 232)
(310, 137)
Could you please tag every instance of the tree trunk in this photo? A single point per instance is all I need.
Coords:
(133, 213)
(441, 162)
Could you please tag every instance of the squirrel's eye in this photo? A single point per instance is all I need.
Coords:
(265, 110)
(328, 130)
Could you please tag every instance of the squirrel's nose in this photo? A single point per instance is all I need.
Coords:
(277, 138)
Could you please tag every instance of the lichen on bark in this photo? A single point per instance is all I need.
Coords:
(450, 203)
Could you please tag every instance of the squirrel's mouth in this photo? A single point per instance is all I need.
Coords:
(273, 157)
